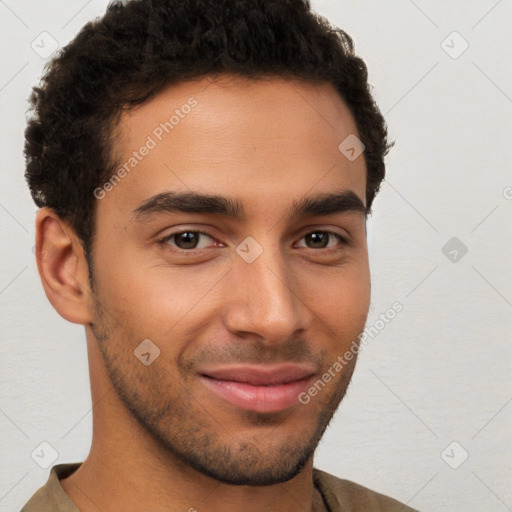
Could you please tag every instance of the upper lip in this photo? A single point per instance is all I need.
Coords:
(261, 375)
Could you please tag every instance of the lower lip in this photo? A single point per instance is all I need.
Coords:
(258, 398)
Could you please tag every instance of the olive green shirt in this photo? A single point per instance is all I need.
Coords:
(338, 495)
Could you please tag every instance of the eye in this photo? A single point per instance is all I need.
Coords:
(320, 239)
(190, 240)
(185, 240)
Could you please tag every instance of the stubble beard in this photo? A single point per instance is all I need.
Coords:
(192, 437)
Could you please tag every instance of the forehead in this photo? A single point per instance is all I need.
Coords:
(233, 136)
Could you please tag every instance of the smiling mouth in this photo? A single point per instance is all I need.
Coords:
(259, 388)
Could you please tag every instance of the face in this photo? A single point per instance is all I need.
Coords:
(235, 246)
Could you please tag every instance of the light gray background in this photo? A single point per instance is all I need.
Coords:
(439, 372)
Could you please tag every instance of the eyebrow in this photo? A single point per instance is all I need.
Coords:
(345, 201)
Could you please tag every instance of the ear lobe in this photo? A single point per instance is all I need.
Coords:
(62, 267)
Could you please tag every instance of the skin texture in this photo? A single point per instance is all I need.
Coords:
(161, 439)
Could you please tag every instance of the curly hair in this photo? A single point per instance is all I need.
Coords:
(141, 46)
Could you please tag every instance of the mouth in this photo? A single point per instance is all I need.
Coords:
(258, 388)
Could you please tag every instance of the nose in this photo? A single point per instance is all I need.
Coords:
(264, 299)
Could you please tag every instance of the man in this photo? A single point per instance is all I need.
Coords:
(204, 171)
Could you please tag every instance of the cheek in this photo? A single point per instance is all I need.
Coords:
(156, 301)
(340, 297)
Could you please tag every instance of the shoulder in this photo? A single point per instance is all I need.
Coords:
(344, 495)
(51, 496)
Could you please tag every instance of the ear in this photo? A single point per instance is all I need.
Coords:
(62, 267)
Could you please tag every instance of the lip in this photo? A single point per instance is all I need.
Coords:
(269, 388)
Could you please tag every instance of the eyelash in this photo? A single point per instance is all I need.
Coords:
(164, 241)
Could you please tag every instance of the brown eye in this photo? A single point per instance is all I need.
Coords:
(321, 239)
(186, 240)
(318, 240)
